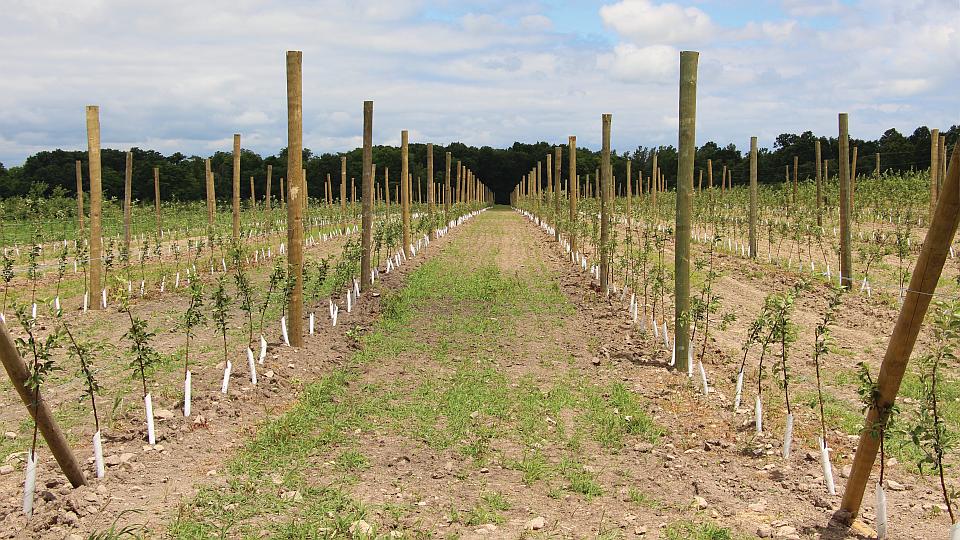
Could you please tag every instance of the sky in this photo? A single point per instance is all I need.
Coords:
(185, 75)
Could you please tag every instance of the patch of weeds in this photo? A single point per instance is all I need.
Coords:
(614, 414)
(351, 460)
(116, 532)
(487, 509)
(836, 412)
(580, 480)
(642, 499)
(688, 530)
(533, 466)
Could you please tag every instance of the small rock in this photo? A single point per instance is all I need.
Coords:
(163, 414)
(90, 497)
(701, 502)
(595, 361)
(112, 460)
(758, 506)
(765, 531)
(68, 518)
(484, 470)
(360, 527)
(787, 532)
(474, 414)
(6, 469)
(10, 435)
(91, 510)
(269, 374)
(845, 472)
(640, 531)
(535, 524)
(893, 485)
(126, 457)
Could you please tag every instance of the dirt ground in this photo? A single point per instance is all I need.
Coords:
(505, 400)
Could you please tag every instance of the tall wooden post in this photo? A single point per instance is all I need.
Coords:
(819, 202)
(709, 174)
(876, 167)
(446, 187)
(366, 192)
(923, 284)
(343, 193)
(236, 187)
(127, 200)
(574, 188)
(629, 205)
(556, 199)
(405, 190)
(253, 195)
(846, 269)
(156, 199)
(687, 148)
(656, 181)
(269, 194)
(459, 174)
(211, 196)
(283, 194)
(386, 189)
(80, 210)
(294, 205)
(753, 197)
(430, 179)
(796, 181)
(96, 198)
(605, 205)
(934, 168)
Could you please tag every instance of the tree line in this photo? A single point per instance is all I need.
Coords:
(53, 173)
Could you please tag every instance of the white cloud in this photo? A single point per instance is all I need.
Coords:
(656, 63)
(646, 22)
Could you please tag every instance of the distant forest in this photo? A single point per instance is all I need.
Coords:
(52, 173)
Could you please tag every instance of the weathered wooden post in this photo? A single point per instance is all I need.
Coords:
(211, 196)
(405, 190)
(655, 178)
(96, 197)
(629, 194)
(127, 200)
(283, 194)
(574, 188)
(687, 148)
(236, 187)
(819, 202)
(934, 168)
(846, 269)
(366, 191)
(253, 195)
(294, 205)
(796, 180)
(923, 284)
(19, 375)
(753, 197)
(156, 200)
(343, 194)
(446, 188)
(80, 210)
(876, 167)
(709, 174)
(556, 200)
(430, 179)
(386, 190)
(269, 194)
(605, 205)
(459, 174)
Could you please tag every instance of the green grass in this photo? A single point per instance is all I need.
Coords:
(688, 530)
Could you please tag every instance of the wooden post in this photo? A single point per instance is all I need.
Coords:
(557, 155)
(629, 193)
(687, 148)
(943, 160)
(723, 179)
(253, 195)
(754, 190)
(211, 196)
(328, 192)
(446, 188)
(405, 190)
(127, 200)
(156, 200)
(819, 202)
(19, 374)
(430, 179)
(923, 284)
(283, 194)
(343, 193)
(655, 179)
(846, 270)
(366, 191)
(876, 168)
(236, 186)
(386, 189)
(294, 205)
(934, 168)
(605, 205)
(96, 197)
(459, 174)
(709, 174)
(574, 188)
(796, 181)
(80, 210)
(269, 193)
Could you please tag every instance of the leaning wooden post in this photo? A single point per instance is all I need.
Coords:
(923, 283)
(819, 202)
(572, 195)
(269, 193)
(19, 374)
(605, 205)
(629, 196)
(96, 197)
(846, 269)
(156, 200)
(366, 193)
(687, 148)
(80, 211)
(934, 168)
(127, 200)
(556, 196)
(405, 190)
(295, 185)
(236, 187)
(753, 197)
